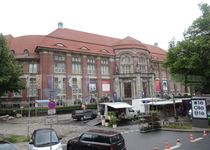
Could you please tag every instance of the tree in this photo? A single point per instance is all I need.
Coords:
(189, 59)
(10, 71)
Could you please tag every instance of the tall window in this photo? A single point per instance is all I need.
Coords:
(126, 65)
(164, 72)
(32, 87)
(17, 94)
(104, 67)
(59, 64)
(156, 70)
(77, 89)
(76, 65)
(60, 83)
(91, 66)
(33, 68)
(142, 64)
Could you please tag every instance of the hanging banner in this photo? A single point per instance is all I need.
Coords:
(70, 80)
(92, 87)
(50, 81)
(157, 86)
(105, 86)
(164, 85)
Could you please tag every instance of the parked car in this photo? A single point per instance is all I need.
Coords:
(96, 139)
(45, 139)
(5, 145)
(84, 114)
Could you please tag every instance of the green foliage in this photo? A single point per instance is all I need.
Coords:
(191, 56)
(43, 111)
(16, 138)
(113, 118)
(10, 71)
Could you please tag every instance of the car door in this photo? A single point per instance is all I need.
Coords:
(85, 142)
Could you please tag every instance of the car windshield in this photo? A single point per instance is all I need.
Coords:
(7, 146)
(45, 138)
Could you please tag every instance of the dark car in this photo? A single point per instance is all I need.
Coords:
(84, 114)
(97, 140)
(5, 145)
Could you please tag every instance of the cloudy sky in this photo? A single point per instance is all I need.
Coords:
(149, 21)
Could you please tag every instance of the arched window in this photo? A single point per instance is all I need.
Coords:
(126, 64)
(12, 52)
(26, 53)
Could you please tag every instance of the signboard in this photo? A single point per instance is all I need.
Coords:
(51, 120)
(105, 86)
(199, 108)
(199, 113)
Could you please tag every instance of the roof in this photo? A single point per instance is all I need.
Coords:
(102, 132)
(129, 42)
(166, 102)
(117, 105)
(80, 42)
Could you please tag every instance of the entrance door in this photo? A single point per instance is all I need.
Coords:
(127, 90)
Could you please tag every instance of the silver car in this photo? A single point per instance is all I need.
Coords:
(45, 139)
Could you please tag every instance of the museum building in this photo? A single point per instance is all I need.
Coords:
(72, 66)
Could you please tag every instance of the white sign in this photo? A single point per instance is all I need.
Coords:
(51, 111)
(51, 119)
(199, 109)
(106, 87)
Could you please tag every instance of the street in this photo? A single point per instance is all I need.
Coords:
(68, 128)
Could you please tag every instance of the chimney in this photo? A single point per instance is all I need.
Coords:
(60, 25)
(156, 44)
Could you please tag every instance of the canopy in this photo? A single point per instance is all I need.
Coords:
(117, 105)
(166, 102)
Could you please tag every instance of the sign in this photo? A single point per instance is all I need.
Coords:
(51, 111)
(105, 86)
(199, 108)
(51, 104)
(51, 120)
(199, 113)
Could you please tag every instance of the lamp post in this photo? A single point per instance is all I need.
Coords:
(28, 93)
(174, 104)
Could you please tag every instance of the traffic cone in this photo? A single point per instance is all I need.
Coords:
(204, 133)
(155, 148)
(167, 146)
(191, 137)
(178, 142)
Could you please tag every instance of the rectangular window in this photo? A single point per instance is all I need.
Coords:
(32, 68)
(17, 94)
(104, 67)
(32, 87)
(76, 65)
(77, 89)
(59, 64)
(91, 66)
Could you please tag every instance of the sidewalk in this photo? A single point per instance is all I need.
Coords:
(19, 126)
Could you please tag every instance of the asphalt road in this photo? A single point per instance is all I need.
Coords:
(147, 141)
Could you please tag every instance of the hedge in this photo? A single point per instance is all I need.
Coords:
(42, 111)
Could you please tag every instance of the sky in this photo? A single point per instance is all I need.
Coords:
(149, 21)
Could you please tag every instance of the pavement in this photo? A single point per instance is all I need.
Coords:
(22, 126)
(64, 127)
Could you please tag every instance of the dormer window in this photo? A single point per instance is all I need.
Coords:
(104, 51)
(26, 52)
(84, 48)
(12, 52)
(60, 45)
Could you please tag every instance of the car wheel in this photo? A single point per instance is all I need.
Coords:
(82, 118)
(69, 147)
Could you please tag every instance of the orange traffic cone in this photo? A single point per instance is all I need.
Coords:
(167, 146)
(178, 142)
(155, 148)
(204, 133)
(191, 137)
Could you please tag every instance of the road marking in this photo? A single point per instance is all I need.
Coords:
(175, 147)
(198, 139)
